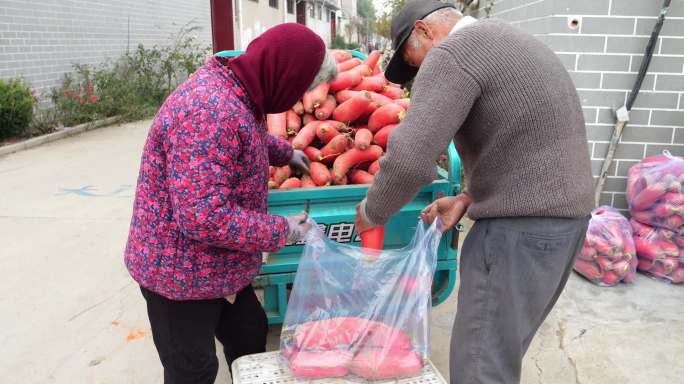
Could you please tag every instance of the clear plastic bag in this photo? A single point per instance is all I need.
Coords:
(655, 191)
(608, 255)
(660, 251)
(355, 311)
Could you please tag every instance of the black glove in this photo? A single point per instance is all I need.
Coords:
(300, 161)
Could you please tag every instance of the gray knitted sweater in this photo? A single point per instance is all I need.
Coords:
(515, 116)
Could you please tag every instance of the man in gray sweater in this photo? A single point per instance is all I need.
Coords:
(514, 114)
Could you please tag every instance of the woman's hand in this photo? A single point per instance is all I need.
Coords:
(450, 210)
(300, 161)
(298, 227)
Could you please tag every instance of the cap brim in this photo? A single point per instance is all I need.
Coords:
(398, 71)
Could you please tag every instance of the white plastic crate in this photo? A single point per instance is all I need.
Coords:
(267, 368)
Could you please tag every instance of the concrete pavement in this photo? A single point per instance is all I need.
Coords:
(71, 314)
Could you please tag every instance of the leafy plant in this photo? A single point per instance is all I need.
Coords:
(133, 87)
(16, 107)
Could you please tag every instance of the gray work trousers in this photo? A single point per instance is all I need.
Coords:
(512, 272)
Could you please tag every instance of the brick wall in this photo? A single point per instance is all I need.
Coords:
(40, 40)
(602, 52)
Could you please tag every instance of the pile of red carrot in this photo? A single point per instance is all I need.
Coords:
(342, 126)
(655, 192)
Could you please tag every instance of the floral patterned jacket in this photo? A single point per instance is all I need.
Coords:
(199, 221)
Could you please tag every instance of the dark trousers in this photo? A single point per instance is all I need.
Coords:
(183, 332)
(512, 272)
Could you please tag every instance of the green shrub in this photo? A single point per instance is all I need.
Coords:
(133, 87)
(16, 108)
(339, 43)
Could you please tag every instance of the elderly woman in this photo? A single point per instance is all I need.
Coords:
(199, 222)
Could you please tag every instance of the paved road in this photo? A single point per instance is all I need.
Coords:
(71, 314)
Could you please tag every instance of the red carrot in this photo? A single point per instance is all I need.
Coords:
(306, 135)
(353, 157)
(371, 83)
(386, 115)
(298, 108)
(326, 108)
(678, 275)
(326, 132)
(349, 64)
(291, 183)
(393, 92)
(337, 146)
(318, 95)
(645, 265)
(277, 124)
(307, 118)
(382, 136)
(341, 56)
(372, 59)
(588, 269)
(307, 182)
(281, 174)
(610, 278)
(312, 153)
(294, 122)
(648, 197)
(374, 167)
(319, 174)
(647, 249)
(352, 109)
(363, 70)
(345, 95)
(272, 184)
(345, 80)
(587, 253)
(404, 103)
(358, 176)
(669, 264)
(362, 139)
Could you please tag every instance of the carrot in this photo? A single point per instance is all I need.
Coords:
(345, 80)
(372, 59)
(277, 125)
(352, 109)
(380, 99)
(291, 183)
(373, 238)
(358, 176)
(349, 64)
(372, 107)
(345, 95)
(298, 108)
(337, 146)
(281, 174)
(587, 253)
(678, 275)
(307, 102)
(648, 196)
(393, 92)
(377, 70)
(382, 136)
(362, 139)
(341, 56)
(307, 182)
(319, 174)
(610, 278)
(307, 118)
(647, 249)
(326, 108)
(403, 102)
(374, 167)
(386, 115)
(352, 157)
(371, 83)
(272, 184)
(312, 153)
(326, 132)
(305, 135)
(363, 70)
(588, 269)
(342, 181)
(271, 171)
(316, 97)
(294, 122)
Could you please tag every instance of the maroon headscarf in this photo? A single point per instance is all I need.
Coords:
(279, 66)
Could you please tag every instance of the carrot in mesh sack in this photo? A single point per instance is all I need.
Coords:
(658, 252)
(655, 191)
(608, 254)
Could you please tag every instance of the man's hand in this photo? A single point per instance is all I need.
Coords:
(360, 224)
(450, 210)
(300, 161)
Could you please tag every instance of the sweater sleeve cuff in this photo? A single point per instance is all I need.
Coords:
(368, 217)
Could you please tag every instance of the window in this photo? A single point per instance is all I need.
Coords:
(312, 14)
(273, 3)
(320, 12)
(327, 16)
(290, 7)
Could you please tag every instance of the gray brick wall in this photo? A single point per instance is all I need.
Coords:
(603, 54)
(40, 40)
